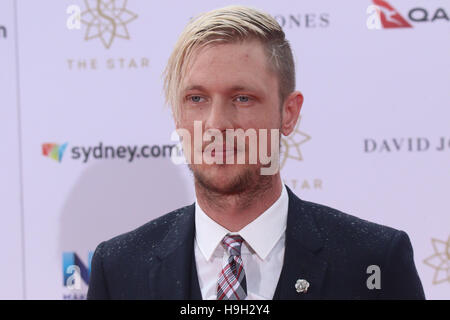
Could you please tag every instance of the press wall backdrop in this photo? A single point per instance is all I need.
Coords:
(85, 138)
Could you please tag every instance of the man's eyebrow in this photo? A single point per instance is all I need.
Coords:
(233, 88)
(242, 88)
(194, 87)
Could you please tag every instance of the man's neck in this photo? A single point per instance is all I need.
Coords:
(234, 212)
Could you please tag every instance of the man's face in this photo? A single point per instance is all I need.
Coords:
(229, 86)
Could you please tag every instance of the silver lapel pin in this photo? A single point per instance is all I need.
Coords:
(302, 286)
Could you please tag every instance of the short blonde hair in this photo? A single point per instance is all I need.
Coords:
(226, 25)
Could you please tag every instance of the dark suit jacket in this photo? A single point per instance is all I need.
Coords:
(328, 248)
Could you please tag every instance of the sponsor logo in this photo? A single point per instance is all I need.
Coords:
(419, 144)
(108, 64)
(54, 151)
(102, 151)
(290, 145)
(106, 20)
(291, 149)
(303, 21)
(382, 15)
(440, 261)
(385, 15)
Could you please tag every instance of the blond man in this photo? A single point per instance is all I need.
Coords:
(247, 236)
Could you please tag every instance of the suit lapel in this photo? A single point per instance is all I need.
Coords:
(301, 261)
(175, 276)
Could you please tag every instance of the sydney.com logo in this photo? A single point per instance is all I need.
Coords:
(129, 153)
(54, 151)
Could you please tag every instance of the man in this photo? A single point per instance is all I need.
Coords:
(247, 236)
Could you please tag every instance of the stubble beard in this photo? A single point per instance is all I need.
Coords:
(248, 181)
(247, 185)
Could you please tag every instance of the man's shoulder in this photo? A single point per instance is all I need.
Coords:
(340, 229)
(350, 245)
(342, 221)
(146, 237)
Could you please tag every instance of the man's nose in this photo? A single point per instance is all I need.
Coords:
(220, 115)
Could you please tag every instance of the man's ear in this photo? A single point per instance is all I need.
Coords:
(291, 111)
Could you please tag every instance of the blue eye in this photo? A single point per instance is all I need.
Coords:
(195, 99)
(243, 99)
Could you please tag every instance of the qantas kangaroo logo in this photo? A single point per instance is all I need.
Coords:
(382, 14)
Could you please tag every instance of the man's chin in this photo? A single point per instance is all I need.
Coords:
(224, 179)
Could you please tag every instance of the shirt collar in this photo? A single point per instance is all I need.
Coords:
(261, 234)
(208, 233)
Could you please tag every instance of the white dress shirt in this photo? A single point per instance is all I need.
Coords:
(262, 251)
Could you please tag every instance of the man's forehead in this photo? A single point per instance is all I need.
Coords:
(228, 79)
(246, 54)
(223, 70)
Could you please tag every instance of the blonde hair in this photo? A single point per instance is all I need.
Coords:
(226, 25)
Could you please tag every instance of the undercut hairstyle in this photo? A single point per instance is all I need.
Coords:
(229, 25)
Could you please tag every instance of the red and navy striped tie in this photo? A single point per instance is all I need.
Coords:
(232, 284)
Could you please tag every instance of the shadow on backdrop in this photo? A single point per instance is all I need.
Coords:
(113, 197)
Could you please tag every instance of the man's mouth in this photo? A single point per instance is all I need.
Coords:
(224, 151)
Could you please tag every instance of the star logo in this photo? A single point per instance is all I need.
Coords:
(107, 20)
(440, 261)
(290, 146)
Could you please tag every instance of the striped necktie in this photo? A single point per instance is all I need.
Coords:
(232, 284)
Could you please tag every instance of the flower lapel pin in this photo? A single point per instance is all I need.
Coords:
(302, 286)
